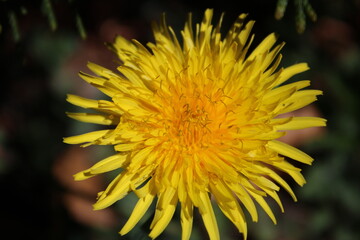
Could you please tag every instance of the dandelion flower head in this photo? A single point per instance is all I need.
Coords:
(196, 121)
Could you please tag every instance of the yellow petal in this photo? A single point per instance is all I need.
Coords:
(284, 91)
(291, 170)
(82, 102)
(139, 156)
(298, 100)
(275, 196)
(132, 76)
(86, 137)
(139, 210)
(106, 165)
(99, 105)
(245, 198)
(265, 183)
(101, 71)
(208, 216)
(289, 151)
(133, 106)
(118, 189)
(95, 118)
(302, 122)
(165, 209)
(186, 218)
(244, 34)
(152, 141)
(124, 48)
(260, 200)
(289, 72)
(281, 181)
(125, 147)
(100, 83)
(229, 205)
(264, 46)
(270, 61)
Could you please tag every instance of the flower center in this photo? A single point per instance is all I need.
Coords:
(192, 124)
(188, 122)
(194, 120)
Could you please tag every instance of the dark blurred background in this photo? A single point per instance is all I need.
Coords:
(39, 65)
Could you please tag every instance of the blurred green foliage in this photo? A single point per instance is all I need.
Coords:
(13, 9)
(17, 9)
(302, 8)
(32, 114)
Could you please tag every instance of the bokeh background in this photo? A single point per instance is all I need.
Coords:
(39, 62)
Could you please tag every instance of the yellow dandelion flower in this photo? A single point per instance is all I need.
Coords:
(196, 120)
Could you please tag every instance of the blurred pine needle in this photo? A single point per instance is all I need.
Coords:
(14, 26)
(14, 12)
(80, 26)
(302, 8)
(49, 12)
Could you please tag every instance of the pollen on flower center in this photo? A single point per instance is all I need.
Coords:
(195, 119)
(192, 123)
